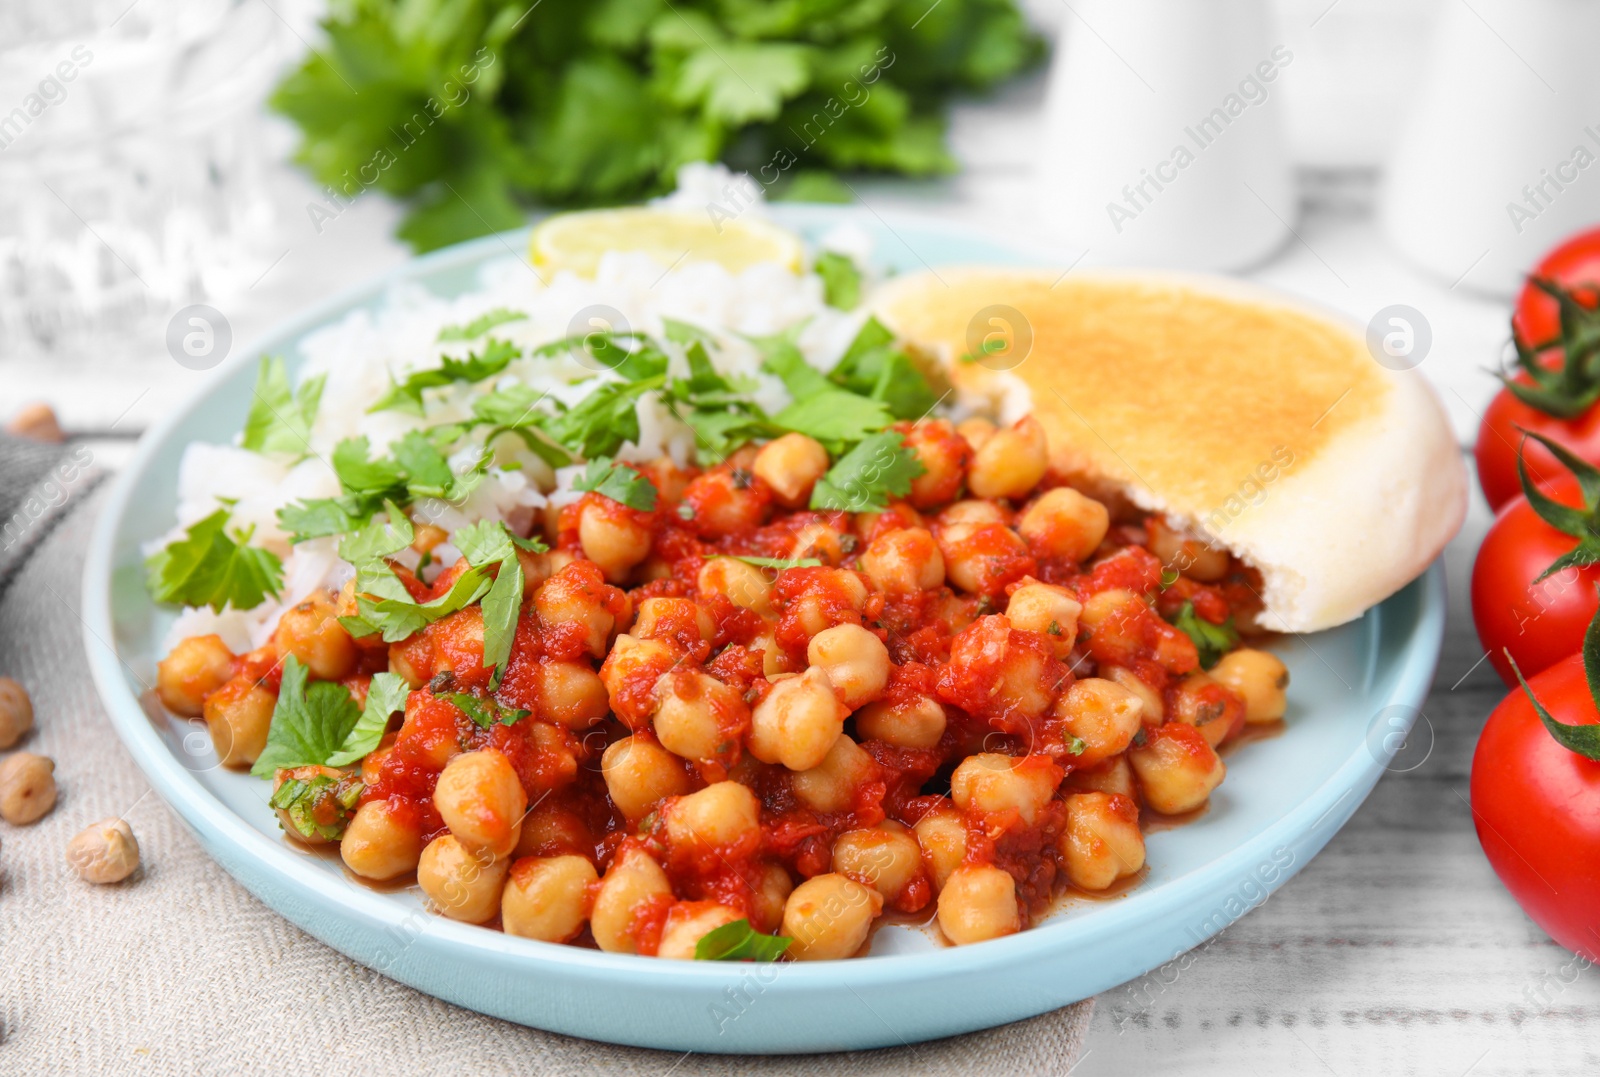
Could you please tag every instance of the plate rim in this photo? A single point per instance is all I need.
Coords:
(205, 812)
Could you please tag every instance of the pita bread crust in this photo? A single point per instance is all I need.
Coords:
(1257, 421)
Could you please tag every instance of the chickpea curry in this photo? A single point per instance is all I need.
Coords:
(688, 714)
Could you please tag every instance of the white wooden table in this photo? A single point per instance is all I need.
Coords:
(1396, 950)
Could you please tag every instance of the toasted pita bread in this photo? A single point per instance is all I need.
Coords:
(1253, 421)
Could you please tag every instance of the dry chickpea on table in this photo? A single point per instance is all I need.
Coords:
(730, 707)
(106, 852)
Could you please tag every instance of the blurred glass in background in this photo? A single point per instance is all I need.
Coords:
(131, 167)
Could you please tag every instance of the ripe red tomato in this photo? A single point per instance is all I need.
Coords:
(1536, 805)
(1499, 437)
(1575, 265)
(1539, 623)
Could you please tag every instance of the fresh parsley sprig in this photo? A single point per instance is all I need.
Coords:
(739, 941)
(485, 712)
(480, 325)
(208, 567)
(619, 482)
(406, 395)
(1211, 640)
(879, 467)
(280, 418)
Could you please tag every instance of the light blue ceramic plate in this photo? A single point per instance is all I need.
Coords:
(1355, 690)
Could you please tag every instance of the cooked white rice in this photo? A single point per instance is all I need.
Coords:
(360, 353)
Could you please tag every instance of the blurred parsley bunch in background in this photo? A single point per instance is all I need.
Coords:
(470, 106)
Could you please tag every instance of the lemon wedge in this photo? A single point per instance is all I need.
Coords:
(575, 241)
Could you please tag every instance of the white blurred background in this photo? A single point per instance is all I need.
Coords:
(154, 178)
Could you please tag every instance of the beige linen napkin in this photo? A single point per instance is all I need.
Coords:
(179, 970)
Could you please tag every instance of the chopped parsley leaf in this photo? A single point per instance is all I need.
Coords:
(841, 280)
(868, 475)
(280, 418)
(485, 712)
(739, 941)
(1211, 640)
(207, 567)
(618, 482)
(309, 723)
(481, 324)
(385, 695)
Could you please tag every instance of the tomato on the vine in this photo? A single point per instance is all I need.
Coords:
(1536, 799)
(1542, 622)
(1556, 329)
(1575, 265)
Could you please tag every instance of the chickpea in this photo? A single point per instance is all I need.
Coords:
(798, 722)
(196, 667)
(1206, 705)
(1100, 713)
(1114, 775)
(791, 465)
(612, 538)
(971, 514)
(578, 595)
(811, 607)
(631, 672)
(829, 917)
(403, 665)
(830, 785)
(774, 659)
(106, 852)
(1176, 768)
(312, 633)
(425, 538)
(551, 830)
(885, 857)
(727, 501)
(699, 717)
(1114, 619)
(381, 842)
(640, 774)
(238, 715)
(944, 456)
(978, 556)
(16, 712)
(325, 815)
(978, 902)
(989, 648)
(676, 620)
(570, 694)
(547, 899)
(687, 923)
(463, 883)
(904, 561)
(1050, 611)
(1064, 525)
(868, 525)
(1012, 462)
(856, 662)
(1101, 842)
(942, 834)
(976, 431)
(919, 723)
(1155, 711)
(772, 889)
(745, 585)
(633, 880)
(481, 799)
(36, 421)
(1257, 677)
(818, 541)
(538, 567)
(991, 782)
(721, 814)
(1181, 552)
(670, 480)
